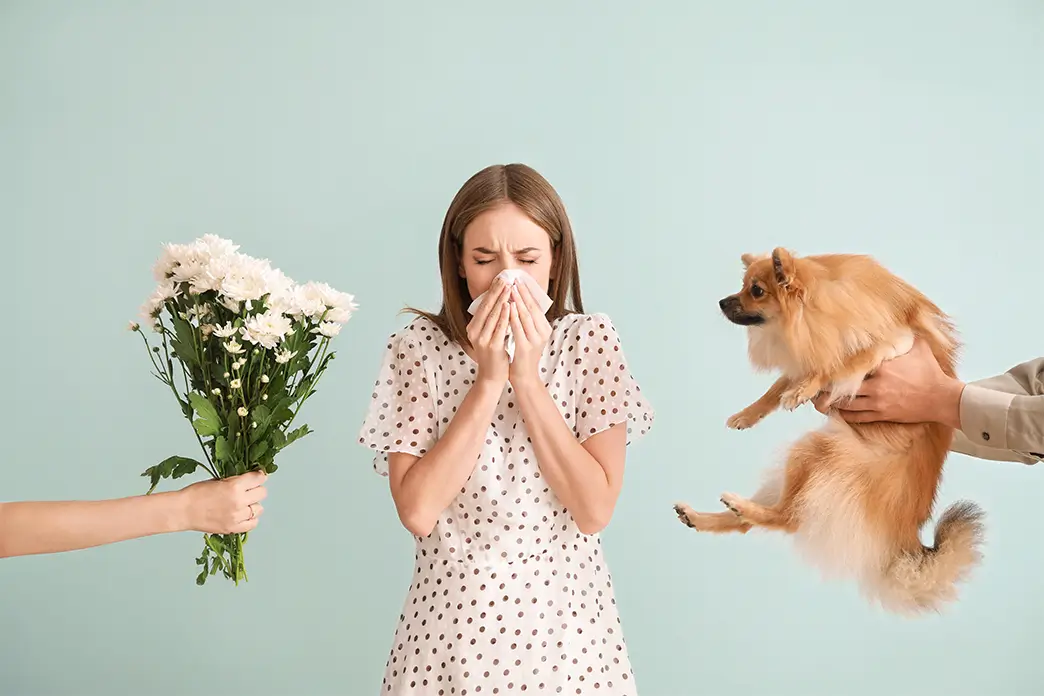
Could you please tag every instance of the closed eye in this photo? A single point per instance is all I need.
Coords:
(528, 262)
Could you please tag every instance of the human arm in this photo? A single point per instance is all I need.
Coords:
(426, 471)
(586, 477)
(218, 507)
(585, 467)
(1000, 418)
(422, 487)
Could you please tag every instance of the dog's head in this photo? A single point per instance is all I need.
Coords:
(771, 285)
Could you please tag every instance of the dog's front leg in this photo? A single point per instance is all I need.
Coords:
(801, 392)
(768, 403)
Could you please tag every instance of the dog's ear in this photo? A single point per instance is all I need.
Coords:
(748, 259)
(783, 268)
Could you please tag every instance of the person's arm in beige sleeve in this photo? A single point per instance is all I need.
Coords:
(999, 418)
(1002, 417)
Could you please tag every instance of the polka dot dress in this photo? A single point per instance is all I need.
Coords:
(507, 596)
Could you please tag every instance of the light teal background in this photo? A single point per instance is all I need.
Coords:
(330, 138)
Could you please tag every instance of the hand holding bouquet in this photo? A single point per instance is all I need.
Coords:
(250, 345)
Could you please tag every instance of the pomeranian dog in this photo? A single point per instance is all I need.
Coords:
(854, 496)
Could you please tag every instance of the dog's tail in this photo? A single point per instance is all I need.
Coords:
(923, 581)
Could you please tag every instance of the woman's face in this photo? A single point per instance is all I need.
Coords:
(501, 238)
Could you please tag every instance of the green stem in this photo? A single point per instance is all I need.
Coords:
(311, 387)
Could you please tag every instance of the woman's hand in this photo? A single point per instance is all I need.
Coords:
(227, 506)
(531, 331)
(911, 388)
(487, 332)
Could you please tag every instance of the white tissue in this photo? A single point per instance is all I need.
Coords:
(513, 276)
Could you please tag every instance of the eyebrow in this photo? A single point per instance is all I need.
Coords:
(484, 250)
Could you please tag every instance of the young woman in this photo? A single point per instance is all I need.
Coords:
(506, 470)
(216, 507)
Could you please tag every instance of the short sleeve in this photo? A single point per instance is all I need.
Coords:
(401, 415)
(607, 393)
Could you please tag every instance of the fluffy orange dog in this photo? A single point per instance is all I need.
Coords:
(855, 497)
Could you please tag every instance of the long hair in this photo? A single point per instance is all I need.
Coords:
(531, 193)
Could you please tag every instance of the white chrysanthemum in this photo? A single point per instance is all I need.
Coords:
(267, 329)
(198, 263)
(216, 247)
(340, 314)
(226, 331)
(335, 299)
(235, 384)
(169, 259)
(280, 290)
(308, 301)
(230, 304)
(314, 300)
(328, 329)
(190, 266)
(285, 356)
(167, 290)
(233, 347)
(246, 278)
(212, 274)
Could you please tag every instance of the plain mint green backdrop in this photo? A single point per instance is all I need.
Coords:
(330, 138)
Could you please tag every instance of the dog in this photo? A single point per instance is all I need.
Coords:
(854, 496)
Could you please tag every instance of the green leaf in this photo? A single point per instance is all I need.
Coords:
(184, 352)
(202, 577)
(215, 544)
(302, 389)
(263, 417)
(171, 467)
(324, 363)
(184, 466)
(209, 422)
(295, 435)
(217, 374)
(258, 449)
(278, 440)
(234, 424)
(185, 335)
(222, 450)
(153, 472)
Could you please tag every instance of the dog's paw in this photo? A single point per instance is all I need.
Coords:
(797, 396)
(685, 514)
(743, 420)
(733, 502)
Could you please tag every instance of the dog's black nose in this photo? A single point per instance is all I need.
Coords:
(724, 302)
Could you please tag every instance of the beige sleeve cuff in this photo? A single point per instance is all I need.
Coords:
(984, 416)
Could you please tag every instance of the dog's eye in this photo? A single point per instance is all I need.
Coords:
(756, 291)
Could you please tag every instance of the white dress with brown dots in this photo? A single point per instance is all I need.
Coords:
(508, 596)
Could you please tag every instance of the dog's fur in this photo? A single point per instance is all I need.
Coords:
(855, 496)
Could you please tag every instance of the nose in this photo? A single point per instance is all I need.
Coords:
(724, 302)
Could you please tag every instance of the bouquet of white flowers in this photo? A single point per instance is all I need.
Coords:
(251, 346)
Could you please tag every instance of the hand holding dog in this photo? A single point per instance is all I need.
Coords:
(911, 388)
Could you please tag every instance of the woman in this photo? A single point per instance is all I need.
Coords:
(216, 507)
(504, 469)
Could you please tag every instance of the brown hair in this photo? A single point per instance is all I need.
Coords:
(496, 185)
